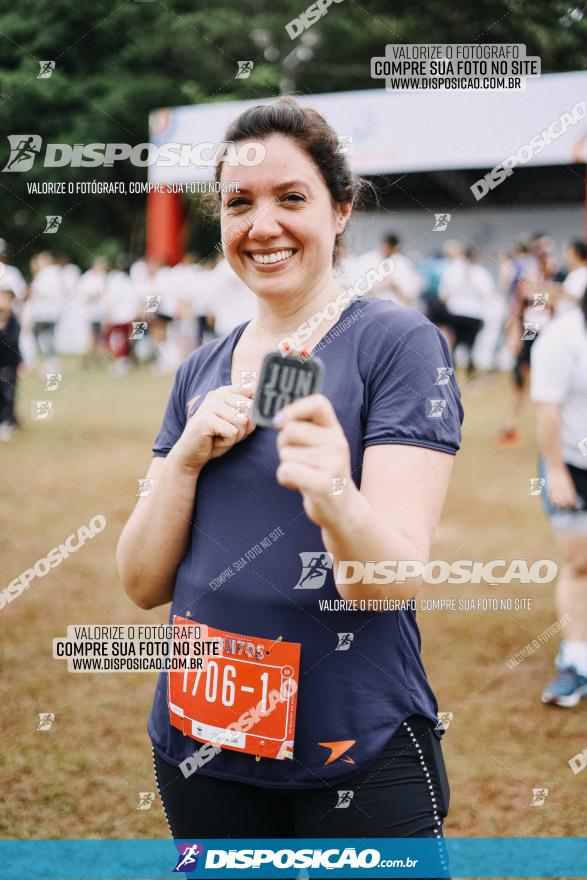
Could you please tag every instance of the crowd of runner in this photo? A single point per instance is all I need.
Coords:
(146, 311)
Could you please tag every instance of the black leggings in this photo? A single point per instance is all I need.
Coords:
(403, 793)
(465, 331)
(8, 378)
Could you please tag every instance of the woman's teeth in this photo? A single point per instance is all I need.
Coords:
(272, 258)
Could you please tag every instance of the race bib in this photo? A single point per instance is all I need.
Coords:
(243, 698)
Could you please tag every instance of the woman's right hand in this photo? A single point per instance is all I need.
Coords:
(222, 419)
(560, 488)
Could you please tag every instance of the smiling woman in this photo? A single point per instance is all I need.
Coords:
(358, 472)
(327, 172)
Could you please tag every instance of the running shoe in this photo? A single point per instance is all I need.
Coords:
(567, 689)
(559, 660)
(509, 437)
(6, 432)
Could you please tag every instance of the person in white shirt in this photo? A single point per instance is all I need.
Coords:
(403, 285)
(192, 280)
(467, 290)
(71, 333)
(91, 290)
(70, 272)
(160, 281)
(122, 306)
(568, 294)
(138, 270)
(559, 390)
(45, 306)
(160, 298)
(10, 277)
(229, 300)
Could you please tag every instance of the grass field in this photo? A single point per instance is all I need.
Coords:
(82, 778)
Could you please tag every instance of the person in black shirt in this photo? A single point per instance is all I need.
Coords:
(10, 358)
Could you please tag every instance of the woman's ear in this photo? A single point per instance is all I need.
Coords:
(343, 212)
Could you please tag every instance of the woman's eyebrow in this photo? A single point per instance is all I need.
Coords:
(290, 184)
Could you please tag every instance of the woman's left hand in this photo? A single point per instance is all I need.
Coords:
(315, 458)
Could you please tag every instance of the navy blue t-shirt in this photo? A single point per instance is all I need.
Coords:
(388, 374)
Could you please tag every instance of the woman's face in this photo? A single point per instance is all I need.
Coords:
(278, 231)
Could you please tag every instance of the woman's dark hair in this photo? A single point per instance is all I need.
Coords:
(310, 131)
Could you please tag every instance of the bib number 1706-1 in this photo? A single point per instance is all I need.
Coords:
(243, 699)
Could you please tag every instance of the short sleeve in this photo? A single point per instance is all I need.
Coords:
(175, 416)
(575, 283)
(552, 362)
(411, 393)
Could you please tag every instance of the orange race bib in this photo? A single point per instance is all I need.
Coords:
(243, 699)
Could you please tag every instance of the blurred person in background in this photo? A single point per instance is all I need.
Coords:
(569, 292)
(91, 290)
(543, 250)
(147, 286)
(122, 306)
(70, 272)
(71, 333)
(138, 270)
(467, 291)
(431, 269)
(168, 321)
(46, 303)
(559, 391)
(230, 302)
(402, 285)
(160, 299)
(10, 358)
(183, 328)
(11, 277)
(530, 311)
(513, 266)
(207, 323)
(193, 283)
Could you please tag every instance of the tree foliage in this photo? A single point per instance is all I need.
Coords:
(116, 61)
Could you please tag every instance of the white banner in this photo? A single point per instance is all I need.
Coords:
(411, 130)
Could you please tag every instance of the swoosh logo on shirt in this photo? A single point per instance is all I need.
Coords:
(338, 748)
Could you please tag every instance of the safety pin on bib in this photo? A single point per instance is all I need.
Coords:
(278, 639)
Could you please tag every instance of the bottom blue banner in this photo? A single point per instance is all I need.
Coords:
(308, 858)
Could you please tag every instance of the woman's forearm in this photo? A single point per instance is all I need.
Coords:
(359, 535)
(154, 540)
(548, 434)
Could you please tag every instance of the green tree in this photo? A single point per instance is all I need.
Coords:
(116, 61)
